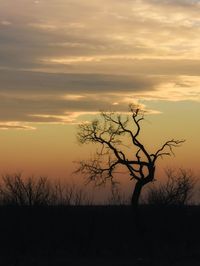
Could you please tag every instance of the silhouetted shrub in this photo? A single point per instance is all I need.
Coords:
(65, 194)
(117, 197)
(15, 190)
(177, 190)
(32, 191)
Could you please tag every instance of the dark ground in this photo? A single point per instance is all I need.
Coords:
(59, 236)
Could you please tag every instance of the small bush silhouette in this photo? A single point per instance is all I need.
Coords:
(177, 190)
(117, 197)
(31, 191)
(67, 195)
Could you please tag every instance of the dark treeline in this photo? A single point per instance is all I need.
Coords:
(179, 189)
(15, 190)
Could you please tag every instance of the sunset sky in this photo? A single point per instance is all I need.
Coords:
(61, 61)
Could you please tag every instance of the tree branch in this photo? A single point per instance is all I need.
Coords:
(170, 145)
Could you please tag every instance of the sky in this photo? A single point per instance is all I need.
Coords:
(62, 61)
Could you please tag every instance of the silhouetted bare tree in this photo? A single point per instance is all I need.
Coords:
(111, 132)
(177, 190)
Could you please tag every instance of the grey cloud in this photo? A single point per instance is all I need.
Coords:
(53, 83)
(21, 127)
(25, 47)
(177, 3)
(141, 67)
(51, 110)
(24, 94)
(53, 98)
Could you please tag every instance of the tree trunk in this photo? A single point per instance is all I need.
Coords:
(136, 194)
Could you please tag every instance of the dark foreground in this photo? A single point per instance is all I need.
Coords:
(58, 236)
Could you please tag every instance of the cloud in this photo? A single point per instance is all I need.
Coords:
(55, 83)
(61, 98)
(97, 31)
(15, 125)
(5, 22)
(62, 58)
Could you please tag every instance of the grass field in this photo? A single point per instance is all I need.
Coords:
(99, 235)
